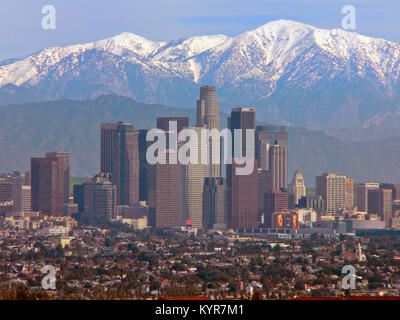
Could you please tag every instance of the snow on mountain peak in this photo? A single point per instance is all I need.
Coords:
(264, 52)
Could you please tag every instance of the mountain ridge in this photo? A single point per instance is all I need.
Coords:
(31, 129)
(294, 73)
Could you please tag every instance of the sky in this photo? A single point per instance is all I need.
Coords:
(81, 21)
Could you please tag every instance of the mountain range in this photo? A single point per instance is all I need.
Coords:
(31, 129)
(293, 73)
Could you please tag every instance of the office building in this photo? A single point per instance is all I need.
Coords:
(380, 203)
(244, 119)
(100, 199)
(47, 189)
(65, 157)
(215, 204)
(207, 108)
(242, 199)
(125, 163)
(274, 201)
(362, 194)
(264, 186)
(6, 187)
(278, 166)
(349, 193)
(266, 136)
(191, 184)
(21, 196)
(316, 203)
(181, 123)
(164, 193)
(298, 187)
(143, 165)
(208, 117)
(395, 190)
(107, 131)
(332, 187)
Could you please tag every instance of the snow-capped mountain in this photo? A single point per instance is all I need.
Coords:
(293, 73)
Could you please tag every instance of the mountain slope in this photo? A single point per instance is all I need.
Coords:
(31, 129)
(293, 73)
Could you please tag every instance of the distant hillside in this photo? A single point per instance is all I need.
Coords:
(31, 129)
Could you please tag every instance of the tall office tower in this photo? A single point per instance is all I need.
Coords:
(349, 193)
(332, 187)
(275, 201)
(395, 190)
(208, 108)
(125, 164)
(215, 204)
(47, 189)
(99, 198)
(107, 131)
(267, 136)
(380, 203)
(191, 185)
(164, 192)
(6, 186)
(181, 122)
(263, 142)
(278, 166)
(27, 178)
(79, 197)
(362, 194)
(242, 197)
(21, 196)
(298, 186)
(208, 116)
(65, 156)
(242, 118)
(143, 165)
(264, 186)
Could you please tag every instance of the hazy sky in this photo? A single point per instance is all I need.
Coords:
(80, 21)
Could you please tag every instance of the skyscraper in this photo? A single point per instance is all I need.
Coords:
(331, 187)
(47, 189)
(107, 131)
(362, 194)
(99, 199)
(65, 156)
(21, 196)
(125, 163)
(208, 108)
(395, 190)
(244, 119)
(143, 165)
(192, 177)
(275, 201)
(181, 122)
(6, 186)
(380, 203)
(264, 186)
(278, 166)
(272, 152)
(208, 117)
(242, 199)
(164, 193)
(298, 187)
(267, 135)
(215, 203)
(349, 193)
